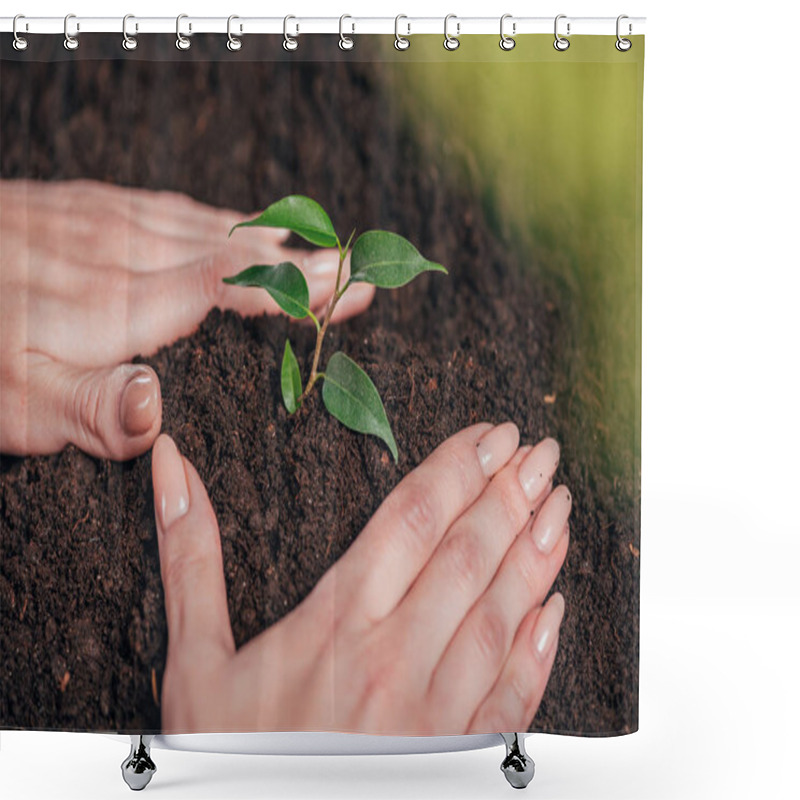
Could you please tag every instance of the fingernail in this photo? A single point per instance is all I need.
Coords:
(552, 519)
(545, 631)
(173, 502)
(138, 404)
(497, 446)
(538, 468)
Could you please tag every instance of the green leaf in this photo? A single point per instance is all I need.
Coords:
(387, 260)
(304, 216)
(291, 385)
(351, 397)
(284, 282)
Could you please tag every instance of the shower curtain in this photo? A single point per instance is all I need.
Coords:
(220, 513)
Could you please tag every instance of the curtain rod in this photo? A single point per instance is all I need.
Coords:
(298, 25)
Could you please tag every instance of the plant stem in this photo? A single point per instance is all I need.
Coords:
(337, 293)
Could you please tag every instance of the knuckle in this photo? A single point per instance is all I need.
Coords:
(508, 506)
(212, 270)
(181, 570)
(526, 566)
(87, 406)
(491, 636)
(515, 504)
(419, 515)
(98, 226)
(509, 707)
(466, 559)
(226, 218)
(177, 199)
(461, 461)
(520, 691)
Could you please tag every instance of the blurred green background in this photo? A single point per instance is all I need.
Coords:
(552, 140)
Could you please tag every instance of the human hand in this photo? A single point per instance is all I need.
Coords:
(92, 275)
(431, 623)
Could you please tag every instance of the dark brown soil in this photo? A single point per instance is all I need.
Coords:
(83, 636)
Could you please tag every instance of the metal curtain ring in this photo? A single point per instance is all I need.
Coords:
(234, 42)
(128, 42)
(451, 42)
(345, 42)
(623, 45)
(70, 42)
(561, 44)
(506, 42)
(400, 42)
(182, 43)
(20, 43)
(289, 42)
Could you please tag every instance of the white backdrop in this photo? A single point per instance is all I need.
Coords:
(720, 533)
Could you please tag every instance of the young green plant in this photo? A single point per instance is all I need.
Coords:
(381, 258)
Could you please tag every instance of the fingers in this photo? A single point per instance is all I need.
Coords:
(320, 269)
(167, 213)
(101, 225)
(378, 569)
(485, 637)
(111, 412)
(468, 557)
(354, 301)
(156, 308)
(172, 213)
(191, 557)
(513, 701)
(136, 313)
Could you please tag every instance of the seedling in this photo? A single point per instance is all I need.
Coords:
(381, 258)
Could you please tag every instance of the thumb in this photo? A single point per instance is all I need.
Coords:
(110, 412)
(191, 557)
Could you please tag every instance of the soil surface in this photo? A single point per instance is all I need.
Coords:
(83, 634)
